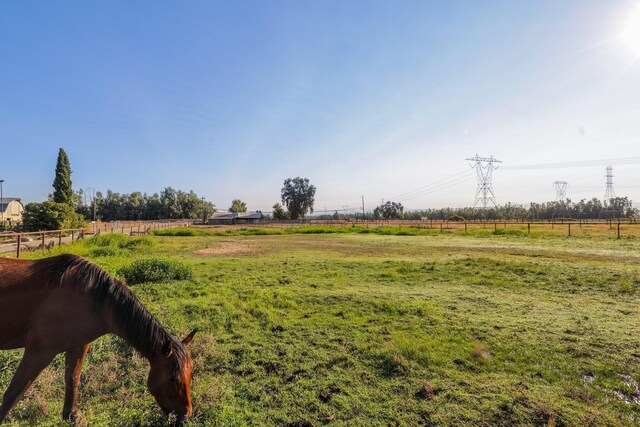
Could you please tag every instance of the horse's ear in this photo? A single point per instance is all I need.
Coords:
(167, 348)
(189, 338)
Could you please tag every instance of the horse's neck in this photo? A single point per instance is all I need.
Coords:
(132, 322)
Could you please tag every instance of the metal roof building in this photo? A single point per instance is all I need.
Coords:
(232, 218)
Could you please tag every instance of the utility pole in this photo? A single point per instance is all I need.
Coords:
(1, 204)
(204, 213)
(484, 167)
(93, 199)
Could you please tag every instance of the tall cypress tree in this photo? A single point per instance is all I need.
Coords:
(62, 190)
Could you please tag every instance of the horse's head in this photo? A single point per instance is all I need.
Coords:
(170, 377)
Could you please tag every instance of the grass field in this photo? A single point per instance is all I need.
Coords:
(374, 329)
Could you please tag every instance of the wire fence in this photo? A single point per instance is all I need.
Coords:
(566, 227)
(14, 244)
(18, 243)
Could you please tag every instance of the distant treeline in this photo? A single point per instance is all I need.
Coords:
(169, 204)
(618, 207)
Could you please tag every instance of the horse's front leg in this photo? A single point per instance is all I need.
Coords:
(32, 363)
(73, 368)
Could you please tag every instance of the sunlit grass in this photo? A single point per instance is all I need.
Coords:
(376, 329)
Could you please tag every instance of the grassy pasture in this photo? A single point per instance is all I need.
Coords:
(373, 328)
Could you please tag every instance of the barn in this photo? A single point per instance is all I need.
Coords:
(11, 209)
(232, 218)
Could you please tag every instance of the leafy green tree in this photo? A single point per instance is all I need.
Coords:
(134, 206)
(298, 195)
(62, 189)
(238, 206)
(153, 208)
(279, 212)
(389, 210)
(622, 207)
(111, 207)
(84, 209)
(170, 204)
(190, 205)
(50, 216)
(209, 209)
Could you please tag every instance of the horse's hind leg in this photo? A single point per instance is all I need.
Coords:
(32, 363)
(73, 368)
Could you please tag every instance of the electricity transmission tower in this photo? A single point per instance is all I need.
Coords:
(609, 193)
(561, 190)
(484, 168)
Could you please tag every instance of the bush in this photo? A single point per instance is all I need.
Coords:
(178, 232)
(155, 270)
(104, 252)
(457, 218)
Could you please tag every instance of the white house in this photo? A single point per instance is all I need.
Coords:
(11, 210)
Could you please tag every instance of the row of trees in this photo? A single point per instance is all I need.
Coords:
(617, 207)
(136, 206)
(68, 209)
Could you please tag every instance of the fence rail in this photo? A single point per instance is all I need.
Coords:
(566, 227)
(33, 240)
(18, 243)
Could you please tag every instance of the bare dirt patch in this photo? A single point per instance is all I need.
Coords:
(229, 248)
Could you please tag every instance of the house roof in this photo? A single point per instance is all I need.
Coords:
(6, 201)
(224, 215)
(250, 215)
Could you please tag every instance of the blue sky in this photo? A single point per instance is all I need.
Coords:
(364, 98)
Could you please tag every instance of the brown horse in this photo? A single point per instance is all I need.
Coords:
(63, 303)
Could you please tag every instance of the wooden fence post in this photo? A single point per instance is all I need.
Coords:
(60, 239)
(569, 224)
(42, 240)
(528, 228)
(18, 250)
(618, 229)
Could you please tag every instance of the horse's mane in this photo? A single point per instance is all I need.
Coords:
(132, 319)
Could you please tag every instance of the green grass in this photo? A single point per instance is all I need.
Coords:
(155, 270)
(537, 230)
(372, 328)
